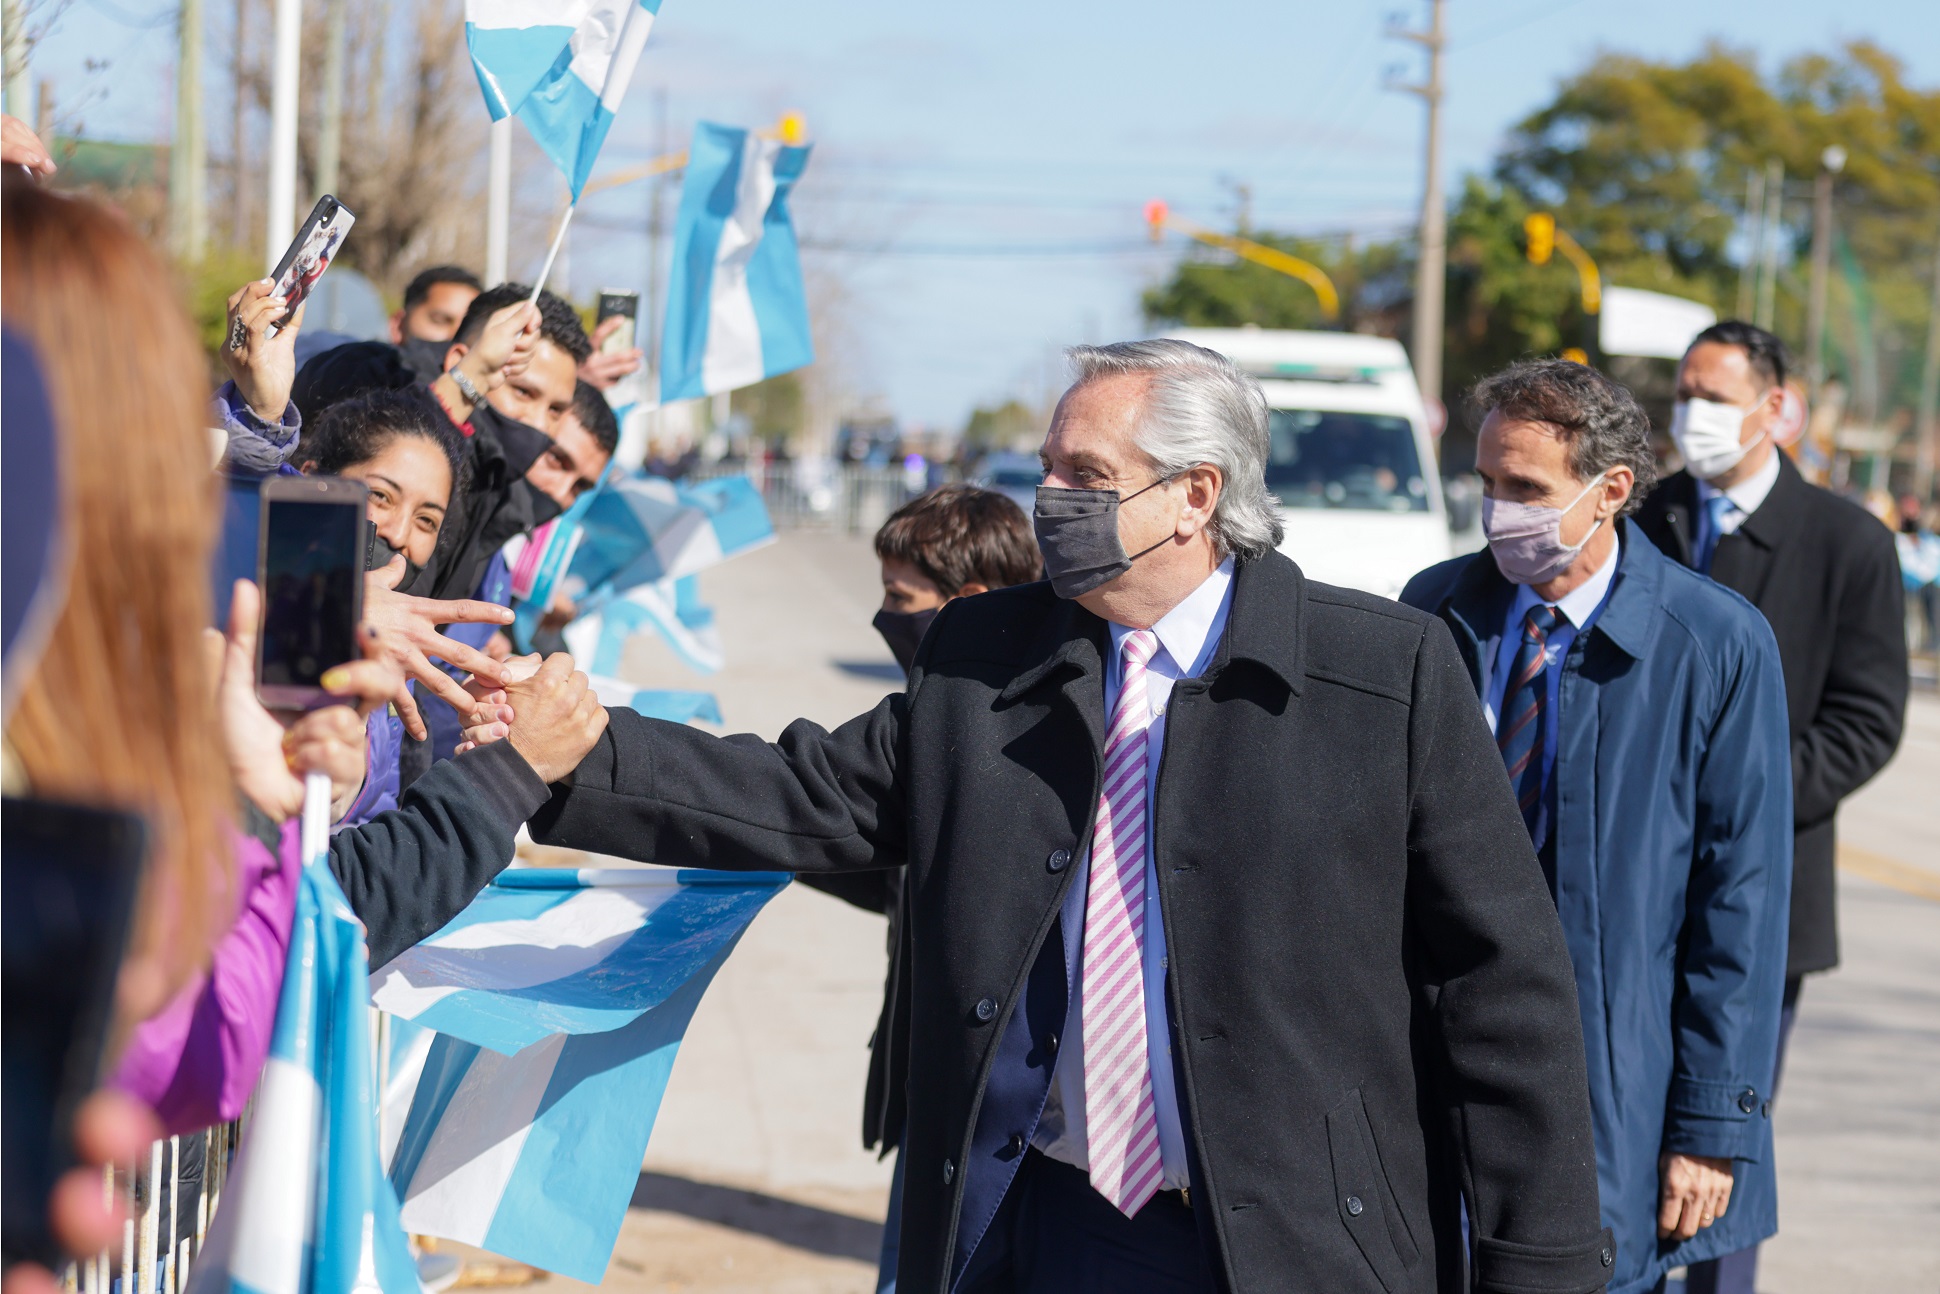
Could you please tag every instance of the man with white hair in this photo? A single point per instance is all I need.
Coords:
(1233, 967)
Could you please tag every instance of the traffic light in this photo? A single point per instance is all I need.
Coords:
(1155, 214)
(1539, 227)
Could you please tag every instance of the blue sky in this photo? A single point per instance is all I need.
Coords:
(975, 196)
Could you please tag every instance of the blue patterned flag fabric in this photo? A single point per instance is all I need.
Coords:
(308, 1209)
(559, 998)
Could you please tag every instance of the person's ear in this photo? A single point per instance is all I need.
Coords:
(457, 352)
(1202, 484)
(970, 589)
(308, 467)
(397, 329)
(1618, 482)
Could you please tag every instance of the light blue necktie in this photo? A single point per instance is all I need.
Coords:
(1716, 508)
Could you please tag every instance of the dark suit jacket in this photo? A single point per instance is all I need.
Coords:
(1371, 1004)
(1825, 574)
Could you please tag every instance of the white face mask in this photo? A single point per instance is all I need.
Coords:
(1527, 538)
(1707, 436)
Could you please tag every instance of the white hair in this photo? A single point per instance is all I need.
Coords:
(1200, 408)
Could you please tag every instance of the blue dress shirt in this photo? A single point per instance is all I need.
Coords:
(1188, 636)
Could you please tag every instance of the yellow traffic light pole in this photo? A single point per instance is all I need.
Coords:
(1160, 219)
(1544, 240)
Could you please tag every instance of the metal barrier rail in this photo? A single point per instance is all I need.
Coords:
(169, 1220)
(815, 494)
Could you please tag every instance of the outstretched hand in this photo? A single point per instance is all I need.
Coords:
(551, 715)
(407, 629)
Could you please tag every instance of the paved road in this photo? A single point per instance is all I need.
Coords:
(756, 1179)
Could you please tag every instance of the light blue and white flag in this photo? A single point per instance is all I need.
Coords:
(671, 608)
(560, 66)
(560, 997)
(642, 529)
(736, 308)
(308, 1210)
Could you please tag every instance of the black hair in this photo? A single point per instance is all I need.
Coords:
(558, 322)
(1601, 423)
(357, 430)
(1765, 352)
(419, 289)
(341, 372)
(596, 415)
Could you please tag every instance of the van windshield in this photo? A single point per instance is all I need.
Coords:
(1322, 459)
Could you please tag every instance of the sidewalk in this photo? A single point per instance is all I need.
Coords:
(756, 1179)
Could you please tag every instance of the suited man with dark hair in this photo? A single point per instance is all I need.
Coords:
(1826, 576)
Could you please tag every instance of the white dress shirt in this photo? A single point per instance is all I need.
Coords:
(1188, 636)
(1745, 497)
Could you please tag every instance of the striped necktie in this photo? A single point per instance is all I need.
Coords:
(1519, 728)
(1121, 1118)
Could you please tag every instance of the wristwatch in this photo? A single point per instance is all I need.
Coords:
(464, 385)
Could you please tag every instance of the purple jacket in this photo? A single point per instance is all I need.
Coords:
(198, 1060)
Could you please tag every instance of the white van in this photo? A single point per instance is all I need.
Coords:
(1353, 461)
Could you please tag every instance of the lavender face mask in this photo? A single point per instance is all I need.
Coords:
(1527, 538)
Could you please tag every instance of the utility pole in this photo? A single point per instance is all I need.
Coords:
(1431, 271)
(1831, 162)
(285, 66)
(1774, 228)
(330, 141)
(1926, 425)
(239, 130)
(188, 222)
(1754, 242)
(498, 203)
(18, 91)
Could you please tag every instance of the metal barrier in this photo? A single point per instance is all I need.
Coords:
(170, 1217)
(820, 494)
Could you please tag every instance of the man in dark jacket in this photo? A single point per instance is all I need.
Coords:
(1826, 576)
(1640, 713)
(1257, 1019)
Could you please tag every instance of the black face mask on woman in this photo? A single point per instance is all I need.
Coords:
(378, 554)
(903, 631)
(1077, 531)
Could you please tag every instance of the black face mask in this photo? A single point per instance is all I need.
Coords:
(424, 358)
(378, 554)
(544, 506)
(903, 631)
(1077, 531)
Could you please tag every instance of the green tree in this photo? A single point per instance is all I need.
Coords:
(774, 406)
(1002, 426)
(1213, 289)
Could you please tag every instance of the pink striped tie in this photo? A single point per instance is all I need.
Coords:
(1121, 1120)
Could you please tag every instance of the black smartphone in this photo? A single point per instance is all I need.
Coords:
(310, 558)
(616, 304)
(68, 879)
(316, 244)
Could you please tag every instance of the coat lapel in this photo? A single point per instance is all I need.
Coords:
(1744, 561)
(1679, 494)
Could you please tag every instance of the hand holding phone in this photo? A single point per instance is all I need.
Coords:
(310, 565)
(316, 244)
(614, 354)
(261, 352)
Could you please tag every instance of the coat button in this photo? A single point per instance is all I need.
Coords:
(1748, 1100)
(1051, 1044)
(949, 1172)
(1608, 1258)
(1354, 1206)
(1016, 1144)
(987, 1009)
(1059, 860)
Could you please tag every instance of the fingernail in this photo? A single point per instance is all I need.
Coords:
(500, 730)
(335, 680)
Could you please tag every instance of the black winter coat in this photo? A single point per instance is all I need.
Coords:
(1826, 576)
(1372, 1008)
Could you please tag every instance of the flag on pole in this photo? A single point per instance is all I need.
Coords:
(308, 1210)
(560, 997)
(560, 66)
(736, 309)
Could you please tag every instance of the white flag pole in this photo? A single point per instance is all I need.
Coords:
(315, 831)
(498, 203)
(286, 66)
(558, 239)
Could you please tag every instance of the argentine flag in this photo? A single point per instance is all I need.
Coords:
(308, 1210)
(559, 998)
(560, 66)
(736, 309)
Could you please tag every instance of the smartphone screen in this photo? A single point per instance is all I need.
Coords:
(624, 305)
(309, 254)
(313, 555)
(68, 879)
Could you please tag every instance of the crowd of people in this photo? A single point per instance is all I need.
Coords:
(1244, 932)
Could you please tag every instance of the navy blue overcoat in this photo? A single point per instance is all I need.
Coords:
(1673, 812)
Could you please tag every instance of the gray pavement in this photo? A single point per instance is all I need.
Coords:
(756, 1179)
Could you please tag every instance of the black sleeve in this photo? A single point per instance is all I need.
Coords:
(410, 870)
(812, 801)
(1505, 998)
(1863, 706)
(869, 891)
